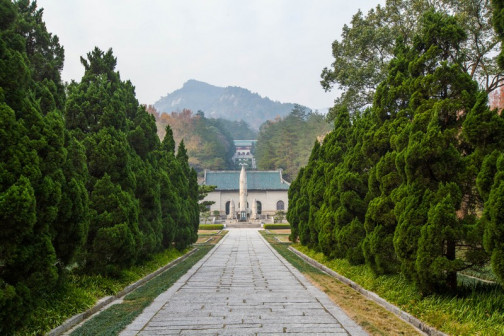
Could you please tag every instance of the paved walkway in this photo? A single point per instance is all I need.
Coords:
(243, 287)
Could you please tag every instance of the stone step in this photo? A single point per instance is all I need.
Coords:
(243, 225)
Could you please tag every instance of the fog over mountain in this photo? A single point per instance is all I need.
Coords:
(232, 103)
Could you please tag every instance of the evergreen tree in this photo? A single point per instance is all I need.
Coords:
(390, 114)
(493, 215)
(113, 233)
(32, 155)
(118, 135)
(331, 152)
(168, 143)
(395, 185)
(432, 163)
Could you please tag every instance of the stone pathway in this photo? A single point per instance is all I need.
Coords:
(243, 287)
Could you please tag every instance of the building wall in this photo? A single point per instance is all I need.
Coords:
(267, 198)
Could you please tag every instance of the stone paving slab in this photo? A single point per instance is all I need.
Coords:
(243, 287)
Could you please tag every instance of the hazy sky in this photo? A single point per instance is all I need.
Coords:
(276, 48)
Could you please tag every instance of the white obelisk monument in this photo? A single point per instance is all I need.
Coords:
(243, 194)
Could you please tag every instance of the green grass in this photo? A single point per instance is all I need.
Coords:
(484, 273)
(477, 309)
(294, 260)
(276, 226)
(211, 226)
(81, 292)
(117, 317)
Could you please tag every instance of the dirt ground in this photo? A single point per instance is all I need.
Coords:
(375, 319)
(283, 239)
(205, 236)
(281, 231)
(208, 232)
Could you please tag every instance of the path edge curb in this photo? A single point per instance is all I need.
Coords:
(146, 315)
(372, 296)
(78, 318)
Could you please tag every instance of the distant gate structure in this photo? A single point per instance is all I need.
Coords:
(251, 194)
(244, 154)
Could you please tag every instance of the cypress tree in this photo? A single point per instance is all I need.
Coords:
(432, 163)
(188, 228)
(380, 221)
(333, 148)
(168, 143)
(292, 213)
(113, 240)
(493, 218)
(103, 113)
(31, 156)
(304, 201)
(390, 114)
(352, 182)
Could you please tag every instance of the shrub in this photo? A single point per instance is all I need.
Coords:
(211, 226)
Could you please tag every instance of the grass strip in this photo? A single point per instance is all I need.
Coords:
(477, 308)
(372, 317)
(114, 319)
(81, 292)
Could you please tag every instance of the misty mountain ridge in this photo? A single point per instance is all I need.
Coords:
(231, 103)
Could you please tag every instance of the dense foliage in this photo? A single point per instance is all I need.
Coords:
(402, 186)
(85, 183)
(207, 140)
(286, 142)
(362, 55)
(239, 130)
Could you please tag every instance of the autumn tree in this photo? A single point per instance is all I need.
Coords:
(209, 145)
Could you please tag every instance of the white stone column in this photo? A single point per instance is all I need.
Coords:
(232, 210)
(254, 209)
(243, 194)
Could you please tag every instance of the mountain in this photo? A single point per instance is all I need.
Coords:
(231, 103)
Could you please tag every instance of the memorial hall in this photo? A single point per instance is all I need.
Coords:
(247, 195)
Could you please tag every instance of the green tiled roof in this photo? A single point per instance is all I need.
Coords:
(244, 143)
(256, 180)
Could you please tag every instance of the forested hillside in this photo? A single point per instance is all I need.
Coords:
(414, 184)
(239, 130)
(85, 184)
(208, 142)
(286, 142)
(230, 103)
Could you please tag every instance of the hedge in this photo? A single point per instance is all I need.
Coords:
(211, 226)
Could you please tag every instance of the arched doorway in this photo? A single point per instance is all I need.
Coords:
(259, 207)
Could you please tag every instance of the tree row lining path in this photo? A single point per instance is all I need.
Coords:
(243, 287)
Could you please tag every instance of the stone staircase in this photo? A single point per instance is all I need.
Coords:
(243, 225)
